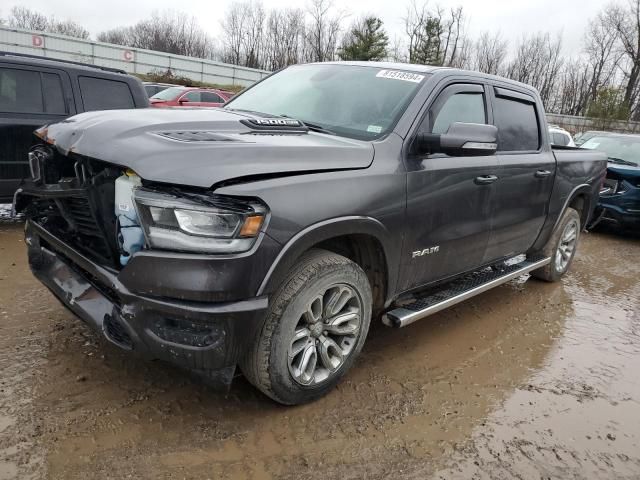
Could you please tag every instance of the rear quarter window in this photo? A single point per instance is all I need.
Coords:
(517, 124)
(104, 94)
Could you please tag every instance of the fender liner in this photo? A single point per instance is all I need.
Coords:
(325, 230)
(582, 188)
(547, 230)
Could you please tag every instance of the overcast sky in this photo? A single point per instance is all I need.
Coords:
(512, 18)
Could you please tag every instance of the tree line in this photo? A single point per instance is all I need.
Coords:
(602, 79)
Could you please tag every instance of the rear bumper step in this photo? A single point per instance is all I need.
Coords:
(459, 291)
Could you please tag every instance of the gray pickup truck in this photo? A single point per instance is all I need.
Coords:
(268, 233)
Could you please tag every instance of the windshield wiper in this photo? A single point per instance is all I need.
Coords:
(621, 161)
(312, 126)
(254, 112)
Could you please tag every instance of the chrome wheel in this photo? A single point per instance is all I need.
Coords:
(325, 335)
(567, 245)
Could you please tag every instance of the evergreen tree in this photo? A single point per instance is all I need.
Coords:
(429, 49)
(366, 41)
(609, 105)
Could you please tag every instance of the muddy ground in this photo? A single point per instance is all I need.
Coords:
(530, 380)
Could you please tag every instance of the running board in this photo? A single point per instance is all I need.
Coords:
(459, 291)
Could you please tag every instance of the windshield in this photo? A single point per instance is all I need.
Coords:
(168, 94)
(625, 148)
(354, 101)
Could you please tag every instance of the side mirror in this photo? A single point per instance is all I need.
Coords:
(461, 140)
(183, 100)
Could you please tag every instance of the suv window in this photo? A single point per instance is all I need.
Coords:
(211, 97)
(20, 91)
(103, 94)
(517, 124)
(462, 107)
(560, 139)
(192, 97)
(53, 93)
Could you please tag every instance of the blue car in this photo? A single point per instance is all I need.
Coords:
(620, 194)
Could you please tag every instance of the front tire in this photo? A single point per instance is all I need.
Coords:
(315, 327)
(561, 247)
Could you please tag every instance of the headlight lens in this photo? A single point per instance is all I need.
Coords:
(208, 224)
(199, 223)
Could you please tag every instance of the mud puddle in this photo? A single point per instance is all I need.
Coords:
(529, 380)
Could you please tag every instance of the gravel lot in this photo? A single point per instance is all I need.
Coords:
(530, 380)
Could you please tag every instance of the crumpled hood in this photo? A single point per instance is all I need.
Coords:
(200, 147)
(627, 172)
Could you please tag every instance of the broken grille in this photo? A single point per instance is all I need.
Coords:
(85, 233)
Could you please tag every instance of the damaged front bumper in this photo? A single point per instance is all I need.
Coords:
(621, 208)
(205, 337)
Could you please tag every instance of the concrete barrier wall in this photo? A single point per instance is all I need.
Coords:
(582, 124)
(132, 60)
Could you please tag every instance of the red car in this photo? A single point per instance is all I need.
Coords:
(189, 97)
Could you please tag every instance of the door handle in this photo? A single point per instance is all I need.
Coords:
(542, 173)
(485, 180)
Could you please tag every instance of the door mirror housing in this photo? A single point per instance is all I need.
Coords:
(461, 140)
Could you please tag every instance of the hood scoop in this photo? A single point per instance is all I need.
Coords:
(196, 136)
(275, 125)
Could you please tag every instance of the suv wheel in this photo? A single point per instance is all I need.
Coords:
(561, 247)
(315, 328)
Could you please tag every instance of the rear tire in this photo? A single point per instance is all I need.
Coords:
(561, 247)
(315, 327)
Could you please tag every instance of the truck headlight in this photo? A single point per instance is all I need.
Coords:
(198, 223)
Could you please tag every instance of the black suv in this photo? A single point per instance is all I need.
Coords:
(35, 91)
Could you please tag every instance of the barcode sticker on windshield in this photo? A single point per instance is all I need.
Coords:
(396, 75)
(374, 129)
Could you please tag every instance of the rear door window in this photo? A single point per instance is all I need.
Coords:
(211, 97)
(20, 91)
(517, 122)
(192, 97)
(104, 94)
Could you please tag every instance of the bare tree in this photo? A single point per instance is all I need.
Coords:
(322, 31)
(537, 62)
(119, 36)
(414, 24)
(571, 89)
(626, 23)
(252, 38)
(464, 55)
(233, 26)
(397, 50)
(489, 53)
(453, 36)
(283, 38)
(22, 17)
(68, 28)
(170, 32)
(603, 57)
